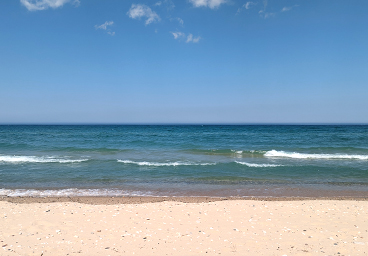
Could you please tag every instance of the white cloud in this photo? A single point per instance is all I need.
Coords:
(208, 3)
(263, 13)
(38, 5)
(105, 27)
(266, 15)
(178, 35)
(288, 8)
(188, 38)
(168, 3)
(248, 5)
(180, 21)
(269, 15)
(138, 11)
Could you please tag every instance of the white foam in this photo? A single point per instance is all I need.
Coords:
(162, 164)
(37, 159)
(274, 153)
(258, 165)
(237, 151)
(69, 192)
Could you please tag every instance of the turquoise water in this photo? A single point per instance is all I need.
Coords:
(184, 160)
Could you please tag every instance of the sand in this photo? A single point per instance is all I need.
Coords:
(183, 227)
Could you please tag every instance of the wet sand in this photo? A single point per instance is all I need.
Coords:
(150, 199)
(183, 226)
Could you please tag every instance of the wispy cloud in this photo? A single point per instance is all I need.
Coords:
(288, 8)
(178, 35)
(266, 15)
(188, 38)
(168, 3)
(246, 6)
(137, 11)
(38, 5)
(180, 21)
(177, 19)
(105, 27)
(269, 15)
(263, 13)
(208, 3)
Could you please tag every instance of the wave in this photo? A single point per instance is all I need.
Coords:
(226, 152)
(274, 153)
(37, 159)
(237, 151)
(162, 164)
(191, 163)
(258, 165)
(69, 192)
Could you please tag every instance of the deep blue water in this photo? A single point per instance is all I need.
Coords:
(178, 160)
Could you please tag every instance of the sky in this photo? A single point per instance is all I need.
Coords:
(187, 61)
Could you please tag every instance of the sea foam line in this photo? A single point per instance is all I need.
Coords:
(258, 165)
(37, 159)
(69, 192)
(162, 164)
(274, 153)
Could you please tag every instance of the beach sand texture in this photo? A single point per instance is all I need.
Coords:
(230, 227)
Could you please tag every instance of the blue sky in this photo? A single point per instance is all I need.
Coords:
(189, 61)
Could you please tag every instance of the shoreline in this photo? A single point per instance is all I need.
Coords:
(105, 200)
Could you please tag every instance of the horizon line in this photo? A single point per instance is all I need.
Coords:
(162, 123)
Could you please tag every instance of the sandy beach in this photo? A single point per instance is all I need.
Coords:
(187, 226)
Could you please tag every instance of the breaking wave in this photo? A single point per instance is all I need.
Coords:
(258, 165)
(162, 164)
(274, 153)
(38, 159)
(69, 192)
